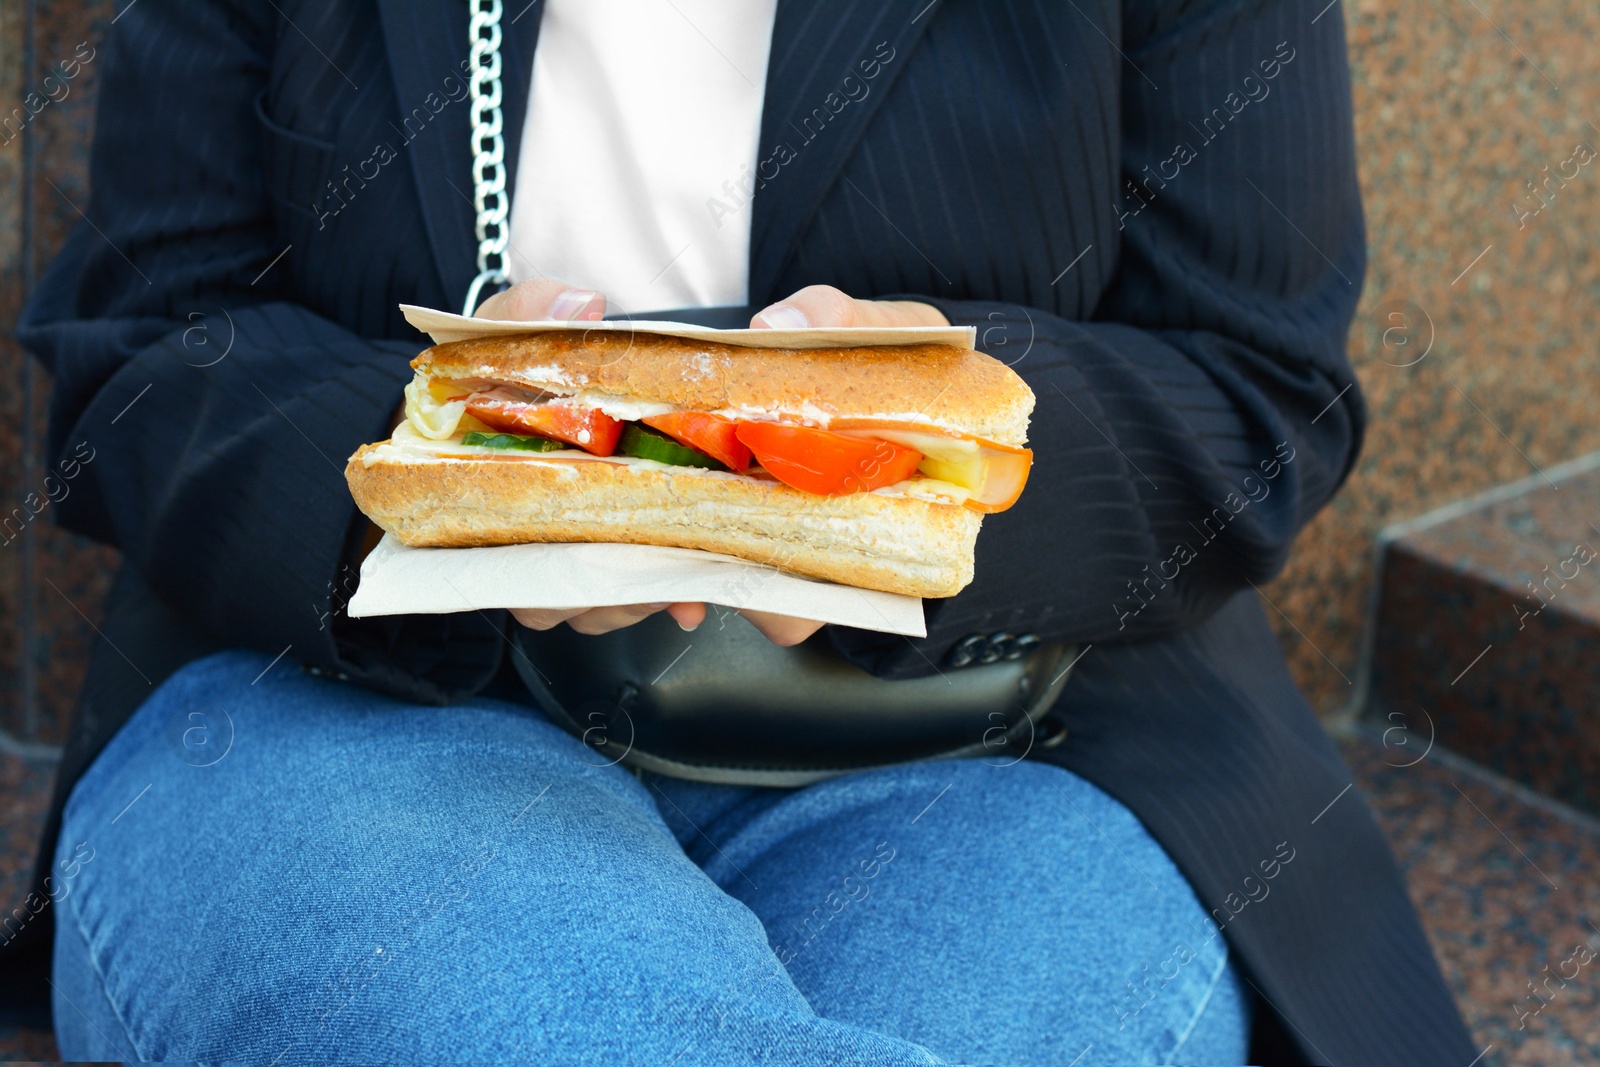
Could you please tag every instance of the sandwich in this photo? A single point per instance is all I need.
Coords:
(866, 466)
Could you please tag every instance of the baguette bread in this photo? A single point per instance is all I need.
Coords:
(427, 487)
(896, 544)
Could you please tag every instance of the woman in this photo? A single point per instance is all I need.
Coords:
(1149, 211)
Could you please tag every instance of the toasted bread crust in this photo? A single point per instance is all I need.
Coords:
(955, 388)
(898, 545)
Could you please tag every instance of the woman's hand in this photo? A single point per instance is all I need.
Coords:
(544, 299)
(823, 305)
(779, 629)
(604, 620)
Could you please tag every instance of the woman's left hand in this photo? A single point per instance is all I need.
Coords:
(823, 305)
(782, 630)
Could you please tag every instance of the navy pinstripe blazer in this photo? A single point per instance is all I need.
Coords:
(1148, 208)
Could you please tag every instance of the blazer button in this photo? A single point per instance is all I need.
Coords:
(1022, 646)
(997, 647)
(968, 650)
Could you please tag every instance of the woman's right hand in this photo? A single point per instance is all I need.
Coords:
(781, 630)
(544, 299)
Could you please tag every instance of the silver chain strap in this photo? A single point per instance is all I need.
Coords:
(489, 194)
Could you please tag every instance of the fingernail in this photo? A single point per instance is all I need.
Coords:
(658, 607)
(570, 303)
(686, 628)
(783, 317)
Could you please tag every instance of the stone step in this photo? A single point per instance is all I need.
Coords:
(1486, 633)
(1504, 880)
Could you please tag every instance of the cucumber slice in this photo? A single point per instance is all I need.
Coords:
(647, 444)
(512, 440)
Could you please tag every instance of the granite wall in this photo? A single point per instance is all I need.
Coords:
(1474, 340)
(51, 583)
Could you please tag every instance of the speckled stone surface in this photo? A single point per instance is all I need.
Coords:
(1452, 121)
(1506, 889)
(1490, 621)
(26, 1046)
(24, 796)
(1541, 548)
(45, 609)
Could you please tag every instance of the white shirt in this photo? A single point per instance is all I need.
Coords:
(638, 151)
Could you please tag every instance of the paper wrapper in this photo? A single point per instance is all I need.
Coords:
(396, 580)
(444, 327)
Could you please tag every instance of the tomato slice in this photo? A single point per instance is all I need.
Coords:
(714, 435)
(826, 463)
(588, 428)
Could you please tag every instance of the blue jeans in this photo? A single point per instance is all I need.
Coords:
(293, 870)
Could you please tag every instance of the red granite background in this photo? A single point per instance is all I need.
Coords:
(1458, 107)
(51, 583)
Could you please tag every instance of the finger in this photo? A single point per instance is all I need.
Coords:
(544, 298)
(815, 305)
(899, 313)
(688, 616)
(543, 618)
(823, 305)
(782, 630)
(604, 620)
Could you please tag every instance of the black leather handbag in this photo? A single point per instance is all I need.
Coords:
(723, 704)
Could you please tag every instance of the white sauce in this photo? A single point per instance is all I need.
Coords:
(811, 415)
(619, 407)
(547, 373)
(543, 377)
(807, 413)
(932, 490)
(702, 365)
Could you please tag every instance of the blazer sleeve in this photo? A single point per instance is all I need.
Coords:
(205, 415)
(1206, 410)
